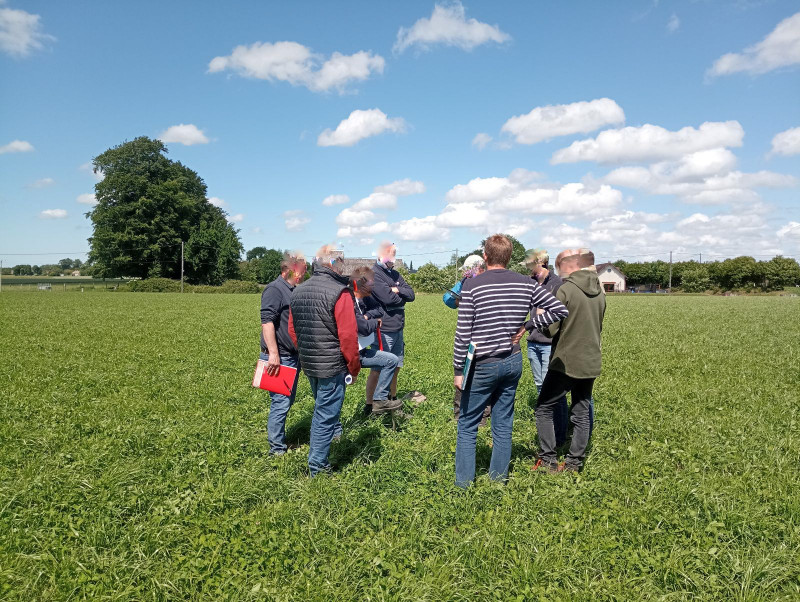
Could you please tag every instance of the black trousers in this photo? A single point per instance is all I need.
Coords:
(555, 386)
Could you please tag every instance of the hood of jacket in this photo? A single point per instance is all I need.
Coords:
(587, 281)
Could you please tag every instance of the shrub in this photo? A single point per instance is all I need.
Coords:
(152, 285)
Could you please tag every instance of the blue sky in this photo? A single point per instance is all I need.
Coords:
(633, 128)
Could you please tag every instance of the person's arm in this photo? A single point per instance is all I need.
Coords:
(552, 310)
(404, 290)
(274, 361)
(292, 333)
(466, 317)
(344, 312)
(553, 329)
(375, 312)
(270, 313)
(383, 292)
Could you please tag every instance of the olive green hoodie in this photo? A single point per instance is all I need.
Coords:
(576, 339)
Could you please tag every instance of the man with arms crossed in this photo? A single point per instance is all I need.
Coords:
(392, 292)
(277, 347)
(493, 307)
(575, 360)
(322, 323)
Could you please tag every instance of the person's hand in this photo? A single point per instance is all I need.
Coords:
(380, 322)
(518, 337)
(273, 364)
(458, 381)
(395, 290)
(539, 311)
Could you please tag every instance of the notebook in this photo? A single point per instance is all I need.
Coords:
(468, 364)
(283, 382)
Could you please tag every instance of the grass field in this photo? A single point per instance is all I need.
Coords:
(133, 464)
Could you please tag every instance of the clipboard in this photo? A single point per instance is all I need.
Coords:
(284, 382)
(468, 364)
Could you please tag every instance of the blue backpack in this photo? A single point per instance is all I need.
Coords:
(453, 296)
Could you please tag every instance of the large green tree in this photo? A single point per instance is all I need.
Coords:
(146, 205)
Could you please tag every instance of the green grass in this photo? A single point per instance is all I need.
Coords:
(133, 464)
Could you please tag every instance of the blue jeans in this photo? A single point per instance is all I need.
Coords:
(493, 380)
(278, 410)
(394, 343)
(539, 357)
(385, 363)
(328, 399)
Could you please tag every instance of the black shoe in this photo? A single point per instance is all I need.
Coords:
(367, 410)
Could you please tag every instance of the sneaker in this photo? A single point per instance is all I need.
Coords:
(381, 406)
(548, 468)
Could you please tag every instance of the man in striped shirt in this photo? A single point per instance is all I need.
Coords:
(493, 307)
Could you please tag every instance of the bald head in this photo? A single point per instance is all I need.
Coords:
(570, 260)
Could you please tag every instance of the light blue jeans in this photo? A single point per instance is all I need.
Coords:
(384, 363)
(539, 357)
(493, 380)
(328, 399)
(278, 410)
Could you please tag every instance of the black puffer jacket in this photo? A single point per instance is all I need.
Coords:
(313, 304)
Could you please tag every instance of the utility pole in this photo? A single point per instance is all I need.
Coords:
(456, 262)
(181, 266)
(701, 258)
(669, 288)
(1, 275)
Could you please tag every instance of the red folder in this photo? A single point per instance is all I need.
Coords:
(283, 382)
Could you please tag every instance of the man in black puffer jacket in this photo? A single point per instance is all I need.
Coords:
(322, 322)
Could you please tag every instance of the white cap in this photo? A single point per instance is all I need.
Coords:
(471, 261)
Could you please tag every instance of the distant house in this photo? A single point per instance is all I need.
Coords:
(76, 273)
(612, 279)
(351, 263)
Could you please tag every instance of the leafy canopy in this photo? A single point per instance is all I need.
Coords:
(146, 205)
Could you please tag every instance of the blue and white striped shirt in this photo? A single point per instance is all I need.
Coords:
(493, 307)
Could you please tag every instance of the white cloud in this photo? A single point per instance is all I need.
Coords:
(448, 26)
(377, 200)
(791, 230)
(786, 143)
(780, 48)
(366, 229)
(479, 189)
(651, 143)
(359, 125)
(295, 220)
(463, 215)
(53, 214)
(20, 32)
(218, 202)
(673, 24)
(87, 199)
(186, 134)
(420, 228)
(17, 146)
(355, 217)
(235, 219)
(704, 177)
(335, 199)
(481, 140)
(296, 64)
(404, 187)
(43, 183)
(544, 123)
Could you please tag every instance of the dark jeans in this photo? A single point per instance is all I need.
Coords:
(278, 410)
(457, 407)
(328, 399)
(556, 385)
(498, 381)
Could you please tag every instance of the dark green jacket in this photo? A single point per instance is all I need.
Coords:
(576, 339)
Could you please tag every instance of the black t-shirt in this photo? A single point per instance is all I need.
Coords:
(275, 302)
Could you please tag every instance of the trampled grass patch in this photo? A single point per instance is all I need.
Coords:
(133, 464)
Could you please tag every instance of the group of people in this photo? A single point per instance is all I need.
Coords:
(332, 325)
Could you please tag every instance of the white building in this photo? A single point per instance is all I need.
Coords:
(611, 278)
